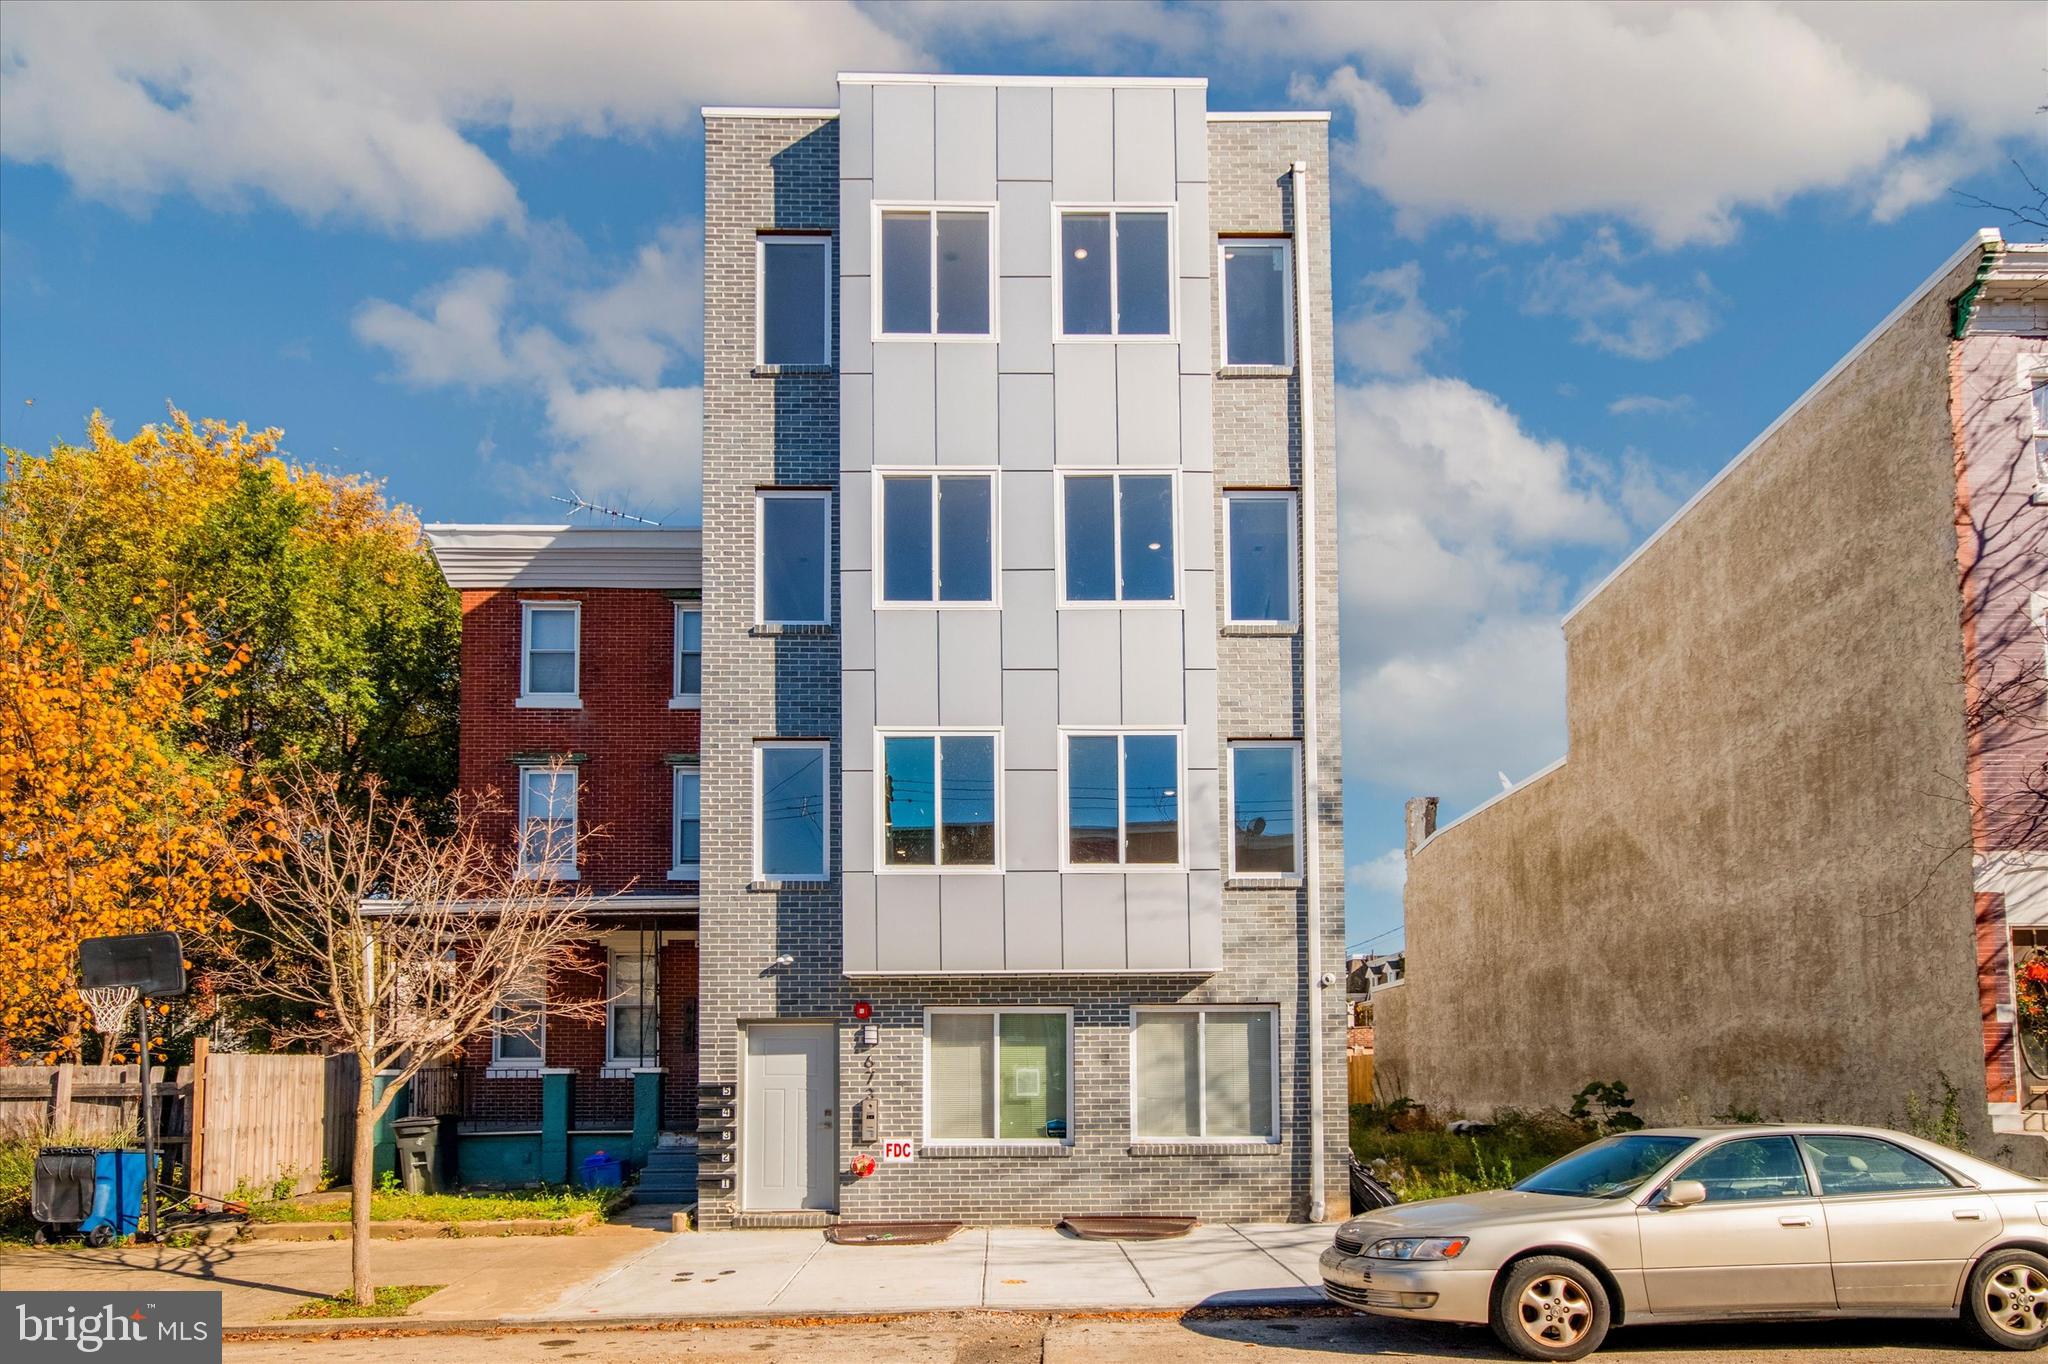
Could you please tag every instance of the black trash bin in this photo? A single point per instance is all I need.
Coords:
(62, 1192)
(419, 1154)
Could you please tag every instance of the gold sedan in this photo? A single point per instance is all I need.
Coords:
(1713, 1223)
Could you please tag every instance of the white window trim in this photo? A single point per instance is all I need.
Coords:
(1235, 746)
(1293, 617)
(761, 241)
(1223, 302)
(1115, 334)
(1202, 1011)
(878, 537)
(933, 208)
(502, 1066)
(1121, 867)
(762, 496)
(995, 1080)
(554, 871)
(884, 867)
(678, 698)
(824, 746)
(680, 870)
(529, 699)
(2033, 376)
(1059, 536)
(623, 1065)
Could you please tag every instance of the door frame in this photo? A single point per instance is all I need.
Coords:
(747, 1028)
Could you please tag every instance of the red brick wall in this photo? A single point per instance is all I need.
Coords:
(625, 728)
(1994, 970)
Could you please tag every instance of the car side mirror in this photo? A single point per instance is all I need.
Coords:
(1683, 1193)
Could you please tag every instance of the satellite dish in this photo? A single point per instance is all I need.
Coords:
(1257, 826)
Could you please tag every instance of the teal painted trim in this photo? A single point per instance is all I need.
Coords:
(511, 1158)
(384, 1138)
(554, 1127)
(646, 1114)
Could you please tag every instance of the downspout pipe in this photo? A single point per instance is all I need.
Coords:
(1317, 982)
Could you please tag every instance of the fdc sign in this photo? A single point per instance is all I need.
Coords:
(898, 1152)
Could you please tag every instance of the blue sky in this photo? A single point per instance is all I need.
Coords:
(1583, 254)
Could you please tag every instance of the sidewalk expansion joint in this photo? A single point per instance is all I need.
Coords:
(1284, 1268)
(1143, 1282)
(797, 1271)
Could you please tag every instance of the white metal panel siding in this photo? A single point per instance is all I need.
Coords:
(965, 161)
(971, 922)
(1024, 132)
(1144, 145)
(903, 142)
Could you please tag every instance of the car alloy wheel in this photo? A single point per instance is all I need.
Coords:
(2016, 1297)
(1550, 1307)
(1555, 1312)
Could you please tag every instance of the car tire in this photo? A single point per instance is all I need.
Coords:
(1550, 1307)
(2006, 1302)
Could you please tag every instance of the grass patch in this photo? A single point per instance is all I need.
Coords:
(557, 1202)
(393, 1300)
(1410, 1150)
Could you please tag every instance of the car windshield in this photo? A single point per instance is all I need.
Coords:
(1608, 1168)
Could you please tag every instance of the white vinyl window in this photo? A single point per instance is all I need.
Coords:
(632, 1020)
(1120, 799)
(1205, 1074)
(1258, 557)
(687, 829)
(938, 794)
(936, 533)
(547, 822)
(519, 1030)
(687, 681)
(1115, 272)
(1265, 808)
(792, 556)
(997, 1075)
(2034, 376)
(934, 272)
(1117, 539)
(792, 299)
(792, 810)
(549, 644)
(1257, 301)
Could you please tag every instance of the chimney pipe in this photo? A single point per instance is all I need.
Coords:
(1421, 816)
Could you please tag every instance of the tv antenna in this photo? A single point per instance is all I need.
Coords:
(577, 502)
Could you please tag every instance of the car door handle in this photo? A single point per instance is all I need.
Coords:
(1966, 1215)
(1795, 1221)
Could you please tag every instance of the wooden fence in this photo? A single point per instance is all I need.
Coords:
(232, 1120)
(1360, 1065)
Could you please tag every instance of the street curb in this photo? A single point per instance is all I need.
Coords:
(1298, 1303)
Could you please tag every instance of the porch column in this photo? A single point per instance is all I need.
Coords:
(646, 1112)
(554, 1125)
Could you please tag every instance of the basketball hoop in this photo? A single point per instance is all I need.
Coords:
(109, 1005)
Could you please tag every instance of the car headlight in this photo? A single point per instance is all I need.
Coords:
(1418, 1247)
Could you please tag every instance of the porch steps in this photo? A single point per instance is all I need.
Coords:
(670, 1175)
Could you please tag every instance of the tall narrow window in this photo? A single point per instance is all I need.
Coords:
(1119, 537)
(1258, 550)
(938, 538)
(633, 1010)
(519, 1026)
(938, 801)
(793, 302)
(794, 550)
(548, 653)
(685, 804)
(547, 822)
(936, 272)
(689, 661)
(996, 1075)
(2034, 373)
(1258, 301)
(1203, 1074)
(1116, 272)
(1265, 807)
(1123, 800)
(792, 810)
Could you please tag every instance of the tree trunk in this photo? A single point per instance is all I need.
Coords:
(361, 1185)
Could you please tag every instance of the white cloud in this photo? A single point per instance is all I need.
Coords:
(1385, 874)
(1635, 320)
(655, 309)
(642, 445)
(1392, 329)
(1651, 405)
(363, 113)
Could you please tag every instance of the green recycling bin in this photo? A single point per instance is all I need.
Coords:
(419, 1154)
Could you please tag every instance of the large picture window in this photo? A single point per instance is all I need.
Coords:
(549, 644)
(1258, 553)
(793, 535)
(1204, 1075)
(1122, 799)
(688, 832)
(1265, 808)
(792, 810)
(938, 801)
(935, 271)
(938, 538)
(1258, 301)
(996, 1075)
(547, 822)
(1118, 534)
(633, 1010)
(1116, 272)
(793, 300)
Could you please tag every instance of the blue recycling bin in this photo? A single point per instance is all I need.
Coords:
(601, 1171)
(118, 1178)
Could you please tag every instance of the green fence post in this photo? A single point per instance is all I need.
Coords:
(554, 1126)
(384, 1144)
(646, 1113)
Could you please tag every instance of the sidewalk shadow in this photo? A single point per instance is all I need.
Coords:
(201, 1263)
(1364, 1336)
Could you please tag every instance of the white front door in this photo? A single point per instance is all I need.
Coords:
(787, 1130)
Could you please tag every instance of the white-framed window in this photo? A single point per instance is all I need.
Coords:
(1120, 802)
(1114, 271)
(550, 639)
(1209, 1074)
(997, 1075)
(793, 299)
(686, 828)
(547, 822)
(792, 556)
(2034, 378)
(935, 530)
(1265, 808)
(792, 810)
(632, 1011)
(519, 1027)
(939, 794)
(687, 674)
(1259, 530)
(934, 272)
(1118, 538)
(1257, 301)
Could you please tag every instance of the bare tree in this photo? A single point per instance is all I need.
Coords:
(2025, 210)
(398, 944)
